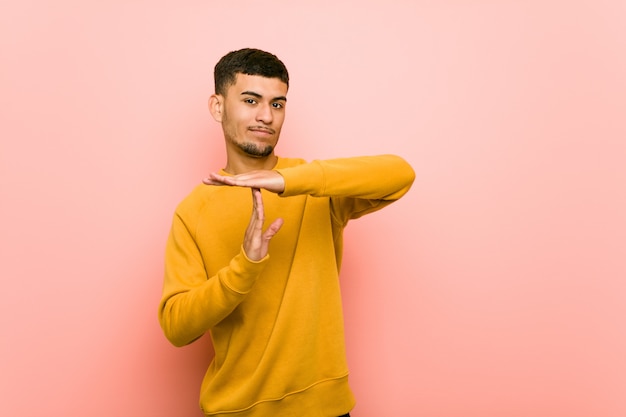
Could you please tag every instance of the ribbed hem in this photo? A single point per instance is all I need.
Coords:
(328, 398)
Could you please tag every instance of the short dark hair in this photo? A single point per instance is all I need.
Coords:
(247, 61)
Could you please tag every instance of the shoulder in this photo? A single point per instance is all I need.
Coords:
(195, 201)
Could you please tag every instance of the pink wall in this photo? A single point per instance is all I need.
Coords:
(495, 288)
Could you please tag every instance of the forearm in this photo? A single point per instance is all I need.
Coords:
(383, 177)
(187, 311)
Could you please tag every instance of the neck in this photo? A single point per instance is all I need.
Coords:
(239, 165)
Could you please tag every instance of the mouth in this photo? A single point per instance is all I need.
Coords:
(260, 130)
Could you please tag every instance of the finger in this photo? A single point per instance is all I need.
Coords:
(217, 179)
(258, 206)
(273, 229)
(209, 181)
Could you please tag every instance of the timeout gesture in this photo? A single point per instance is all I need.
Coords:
(256, 241)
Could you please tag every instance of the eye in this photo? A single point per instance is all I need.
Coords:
(250, 101)
(278, 105)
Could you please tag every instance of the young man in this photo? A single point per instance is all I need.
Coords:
(273, 310)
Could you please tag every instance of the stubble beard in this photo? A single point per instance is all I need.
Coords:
(256, 151)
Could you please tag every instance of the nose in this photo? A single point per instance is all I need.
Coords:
(264, 114)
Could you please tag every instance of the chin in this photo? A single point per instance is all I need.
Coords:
(257, 151)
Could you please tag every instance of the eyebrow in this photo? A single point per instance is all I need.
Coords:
(257, 95)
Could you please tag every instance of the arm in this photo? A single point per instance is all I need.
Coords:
(356, 186)
(382, 177)
(191, 303)
(386, 177)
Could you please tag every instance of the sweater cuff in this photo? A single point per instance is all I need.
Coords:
(243, 272)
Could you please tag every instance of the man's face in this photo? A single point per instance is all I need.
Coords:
(252, 114)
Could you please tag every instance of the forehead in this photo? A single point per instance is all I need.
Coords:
(264, 86)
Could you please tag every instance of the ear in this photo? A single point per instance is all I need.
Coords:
(216, 107)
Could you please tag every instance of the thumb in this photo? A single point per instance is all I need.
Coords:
(273, 229)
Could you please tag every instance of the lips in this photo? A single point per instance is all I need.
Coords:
(262, 130)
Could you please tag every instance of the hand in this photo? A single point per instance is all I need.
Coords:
(266, 179)
(256, 242)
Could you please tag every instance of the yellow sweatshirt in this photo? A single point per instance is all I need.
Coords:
(276, 324)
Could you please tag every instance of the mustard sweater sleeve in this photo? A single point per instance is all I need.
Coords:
(192, 303)
(356, 186)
